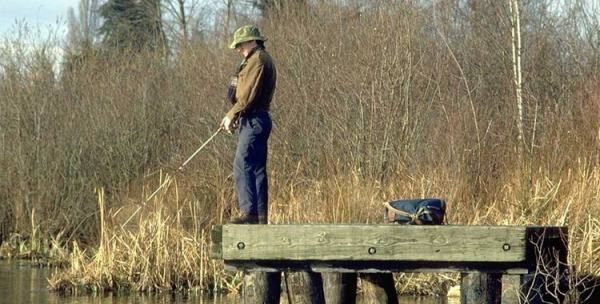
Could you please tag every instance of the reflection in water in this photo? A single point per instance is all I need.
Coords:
(22, 284)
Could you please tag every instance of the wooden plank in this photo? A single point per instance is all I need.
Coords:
(374, 243)
(376, 266)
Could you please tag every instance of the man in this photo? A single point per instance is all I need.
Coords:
(251, 94)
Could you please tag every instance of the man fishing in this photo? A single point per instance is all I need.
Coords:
(251, 92)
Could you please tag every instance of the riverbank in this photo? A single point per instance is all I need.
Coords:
(163, 246)
(23, 282)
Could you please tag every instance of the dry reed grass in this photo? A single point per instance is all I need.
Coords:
(157, 249)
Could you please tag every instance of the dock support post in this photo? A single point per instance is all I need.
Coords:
(480, 288)
(340, 288)
(383, 287)
(314, 287)
(262, 287)
(549, 282)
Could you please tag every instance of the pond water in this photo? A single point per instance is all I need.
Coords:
(21, 283)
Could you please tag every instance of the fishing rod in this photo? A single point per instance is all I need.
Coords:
(200, 149)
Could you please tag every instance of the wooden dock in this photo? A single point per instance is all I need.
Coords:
(482, 253)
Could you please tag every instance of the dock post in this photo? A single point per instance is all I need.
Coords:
(480, 288)
(549, 282)
(313, 282)
(340, 288)
(383, 287)
(262, 287)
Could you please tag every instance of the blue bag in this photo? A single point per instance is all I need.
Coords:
(429, 211)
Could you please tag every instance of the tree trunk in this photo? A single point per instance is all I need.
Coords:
(517, 75)
(183, 26)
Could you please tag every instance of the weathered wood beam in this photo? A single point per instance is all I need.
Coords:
(549, 281)
(216, 236)
(376, 266)
(373, 243)
(341, 248)
(480, 288)
(481, 253)
(340, 288)
(262, 287)
(382, 287)
(313, 282)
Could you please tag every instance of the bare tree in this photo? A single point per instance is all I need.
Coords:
(516, 58)
(268, 6)
(229, 14)
(177, 9)
(184, 20)
(83, 25)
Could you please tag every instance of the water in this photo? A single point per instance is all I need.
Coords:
(22, 284)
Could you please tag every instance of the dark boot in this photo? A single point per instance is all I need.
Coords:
(245, 218)
(262, 219)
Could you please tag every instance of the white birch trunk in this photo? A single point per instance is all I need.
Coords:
(516, 48)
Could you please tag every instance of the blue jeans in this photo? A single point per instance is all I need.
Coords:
(250, 163)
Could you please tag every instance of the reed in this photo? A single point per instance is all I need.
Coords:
(155, 250)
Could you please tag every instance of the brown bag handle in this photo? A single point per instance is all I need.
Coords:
(414, 218)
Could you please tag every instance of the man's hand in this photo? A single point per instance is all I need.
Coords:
(227, 124)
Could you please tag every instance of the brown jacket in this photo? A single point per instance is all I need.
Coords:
(255, 85)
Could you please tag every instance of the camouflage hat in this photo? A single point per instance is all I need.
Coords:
(244, 34)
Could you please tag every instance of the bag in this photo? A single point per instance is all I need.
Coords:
(416, 212)
(231, 89)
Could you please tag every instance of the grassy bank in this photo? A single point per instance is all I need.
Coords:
(372, 104)
(159, 246)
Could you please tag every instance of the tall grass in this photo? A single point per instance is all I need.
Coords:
(372, 104)
(153, 250)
